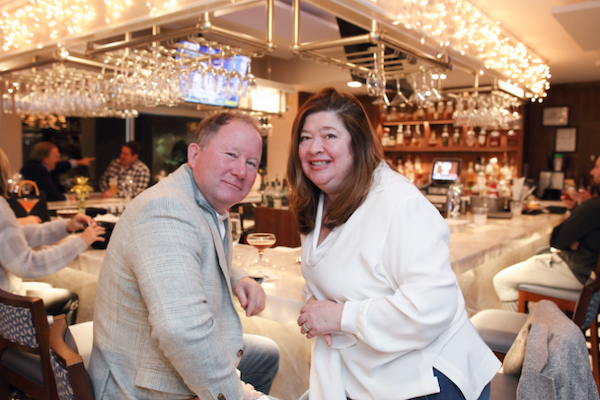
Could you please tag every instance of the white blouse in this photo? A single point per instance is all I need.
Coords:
(403, 310)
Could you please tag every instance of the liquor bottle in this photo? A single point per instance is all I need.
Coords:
(392, 140)
(432, 138)
(431, 112)
(511, 137)
(385, 139)
(471, 177)
(445, 136)
(399, 136)
(449, 106)
(420, 113)
(409, 169)
(482, 138)
(440, 110)
(495, 138)
(456, 137)
(471, 139)
(407, 136)
(418, 137)
(418, 171)
(400, 166)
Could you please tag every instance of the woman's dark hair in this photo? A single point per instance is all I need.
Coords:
(4, 174)
(366, 151)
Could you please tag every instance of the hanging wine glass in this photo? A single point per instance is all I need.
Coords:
(235, 79)
(399, 98)
(249, 82)
(416, 99)
(223, 74)
(209, 81)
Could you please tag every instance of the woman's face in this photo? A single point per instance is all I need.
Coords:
(325, 152)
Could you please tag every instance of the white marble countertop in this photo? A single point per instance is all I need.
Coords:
(470, 246)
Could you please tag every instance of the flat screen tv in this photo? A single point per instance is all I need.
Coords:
(196, 91)
(445, 170)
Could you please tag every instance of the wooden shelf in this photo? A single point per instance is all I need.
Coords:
(419, 122)
(450, 149)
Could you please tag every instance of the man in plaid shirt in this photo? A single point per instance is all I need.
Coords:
(127, 165)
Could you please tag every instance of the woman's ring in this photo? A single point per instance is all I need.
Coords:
(306, 327)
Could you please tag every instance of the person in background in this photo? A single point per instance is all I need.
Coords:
(127, 165)
(165, 322)
(18, 259)
(574, 252)
(382, 299)
(45, 166)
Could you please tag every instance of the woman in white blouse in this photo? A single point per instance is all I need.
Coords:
(18, 259)
(382, 300)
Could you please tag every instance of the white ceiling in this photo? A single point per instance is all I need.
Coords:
(531, 21)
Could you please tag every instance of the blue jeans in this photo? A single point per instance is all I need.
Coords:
(259, 362)
(448, 390)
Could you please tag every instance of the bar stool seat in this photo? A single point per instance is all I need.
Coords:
(565, 299)
(499, 328)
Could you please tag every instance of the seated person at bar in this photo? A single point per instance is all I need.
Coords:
(45, 166)
(577, 240)
(165, 322)
(127, 165)
(19, 261)
(382, 299)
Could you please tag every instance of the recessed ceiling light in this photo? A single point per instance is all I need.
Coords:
(354, 84)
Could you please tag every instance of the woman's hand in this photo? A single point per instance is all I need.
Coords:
(29, 220)
(77, 222)
(92, 233)
(321, 318)
(250, 393)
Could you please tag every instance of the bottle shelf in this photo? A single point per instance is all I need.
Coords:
(419, 122)
(450, 149)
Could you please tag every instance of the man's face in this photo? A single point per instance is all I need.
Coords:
(225, 171)
(126, 157)
(595, 172)
(52, 159)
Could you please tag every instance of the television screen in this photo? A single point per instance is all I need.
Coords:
(210, 88)
(445, 170)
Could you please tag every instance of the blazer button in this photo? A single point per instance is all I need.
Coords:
(240, 352)
(221, 396)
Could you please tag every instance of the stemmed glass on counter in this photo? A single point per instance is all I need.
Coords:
(26, 198)
(261, 242)
(236, 227)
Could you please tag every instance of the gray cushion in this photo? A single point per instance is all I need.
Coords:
(504, 387)
(498, 328)
(26, 364)
(565, 294)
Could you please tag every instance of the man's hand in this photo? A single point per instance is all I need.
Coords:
(85, 161)
(251, 295)
(29, 220)
(320, 318)
(77, 222)
(106, 194)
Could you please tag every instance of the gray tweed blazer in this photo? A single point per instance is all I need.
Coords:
(165, 324)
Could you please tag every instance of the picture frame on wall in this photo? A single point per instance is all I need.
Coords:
(555, 116)
(565, 140)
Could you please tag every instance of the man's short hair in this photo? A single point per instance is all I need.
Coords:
(211, 125)
(41, 150)
(135, 147)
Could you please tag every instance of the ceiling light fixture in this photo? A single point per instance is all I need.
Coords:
(354, 84)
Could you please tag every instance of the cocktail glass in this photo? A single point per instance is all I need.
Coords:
(26, 196)
(261, 242)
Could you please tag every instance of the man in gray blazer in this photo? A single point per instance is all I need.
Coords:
(165, 324)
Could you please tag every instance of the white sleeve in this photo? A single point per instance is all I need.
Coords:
(425, 301)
